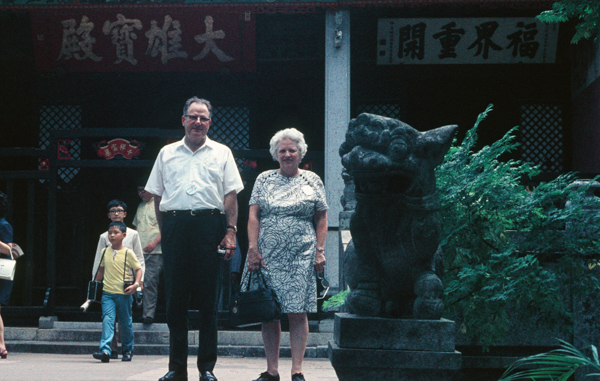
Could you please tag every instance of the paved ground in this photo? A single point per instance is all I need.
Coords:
(49, 367)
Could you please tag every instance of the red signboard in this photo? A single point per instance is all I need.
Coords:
(125, 148)
(144, 39)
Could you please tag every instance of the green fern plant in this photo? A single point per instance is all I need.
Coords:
(335, 301)
(556, 365)
(499, 237)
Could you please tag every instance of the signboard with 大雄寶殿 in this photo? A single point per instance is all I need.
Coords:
(465, 41)
(143, 39)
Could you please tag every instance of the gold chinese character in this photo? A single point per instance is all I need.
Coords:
(72, 45)
(123, 34)
(168, 43)
(209, 39)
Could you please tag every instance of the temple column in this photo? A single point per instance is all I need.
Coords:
(337, 116)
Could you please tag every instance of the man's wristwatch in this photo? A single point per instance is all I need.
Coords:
(137, 284)
(320, 249)
(232, 227)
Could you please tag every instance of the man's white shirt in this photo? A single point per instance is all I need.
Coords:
(194, 180)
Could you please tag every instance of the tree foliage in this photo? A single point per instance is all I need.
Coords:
(509, 246)
(585, 12)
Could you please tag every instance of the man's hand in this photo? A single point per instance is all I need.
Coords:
(229, 244)
(152, 244)
(149, 247)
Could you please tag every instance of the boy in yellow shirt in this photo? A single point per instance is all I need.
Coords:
(117, 290)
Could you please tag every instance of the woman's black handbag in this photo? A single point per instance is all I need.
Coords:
(254, 307)
(94, 291)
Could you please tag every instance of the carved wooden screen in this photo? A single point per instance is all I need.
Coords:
(63, 117)
(387, 110)
(542, 136)
(231, 126)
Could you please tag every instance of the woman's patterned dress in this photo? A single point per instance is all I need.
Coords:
(287, 239)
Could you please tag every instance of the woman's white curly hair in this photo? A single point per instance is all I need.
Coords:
(290, 133)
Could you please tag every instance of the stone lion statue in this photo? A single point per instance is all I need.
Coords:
(393, 264)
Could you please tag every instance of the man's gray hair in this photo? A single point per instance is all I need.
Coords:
(294, 135)
(197, 100)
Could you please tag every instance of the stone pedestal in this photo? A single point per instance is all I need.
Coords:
(372, 348)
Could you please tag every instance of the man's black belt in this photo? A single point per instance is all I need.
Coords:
(193, 212)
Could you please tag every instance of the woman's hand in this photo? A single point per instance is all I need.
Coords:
(320, 262)
(6, 248)
(255, 261)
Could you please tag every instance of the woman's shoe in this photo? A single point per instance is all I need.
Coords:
(266, 376)
(298, 377)
(4, 354)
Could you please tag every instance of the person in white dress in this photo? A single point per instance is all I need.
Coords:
(287, 228)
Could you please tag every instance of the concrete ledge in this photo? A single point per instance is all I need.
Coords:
(362, 374)
(47, 322)
(488, 362)
(353, 331)
(392, 359)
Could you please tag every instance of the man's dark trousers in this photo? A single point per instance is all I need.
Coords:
(191, 267)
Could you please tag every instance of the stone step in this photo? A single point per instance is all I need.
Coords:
(83, 337)
(78, 347)
(236, 338)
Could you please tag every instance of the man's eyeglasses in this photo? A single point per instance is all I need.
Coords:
(193, 118)
(325, 285)
(141, 190)
(116, 211)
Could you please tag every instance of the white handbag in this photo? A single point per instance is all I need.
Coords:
(7, 268)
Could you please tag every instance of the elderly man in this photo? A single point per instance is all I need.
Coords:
(195, 183)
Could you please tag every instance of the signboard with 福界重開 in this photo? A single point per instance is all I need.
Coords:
(144, 39)
(466, 41)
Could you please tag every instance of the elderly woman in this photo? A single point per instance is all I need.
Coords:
(285, 246)
(6, 239)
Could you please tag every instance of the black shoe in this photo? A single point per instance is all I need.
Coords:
(114, 355)
(298, 377)
(207, 376)
(102, 356)
(174, 376)
(127, 356)
(266, 376)
(148, 320)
